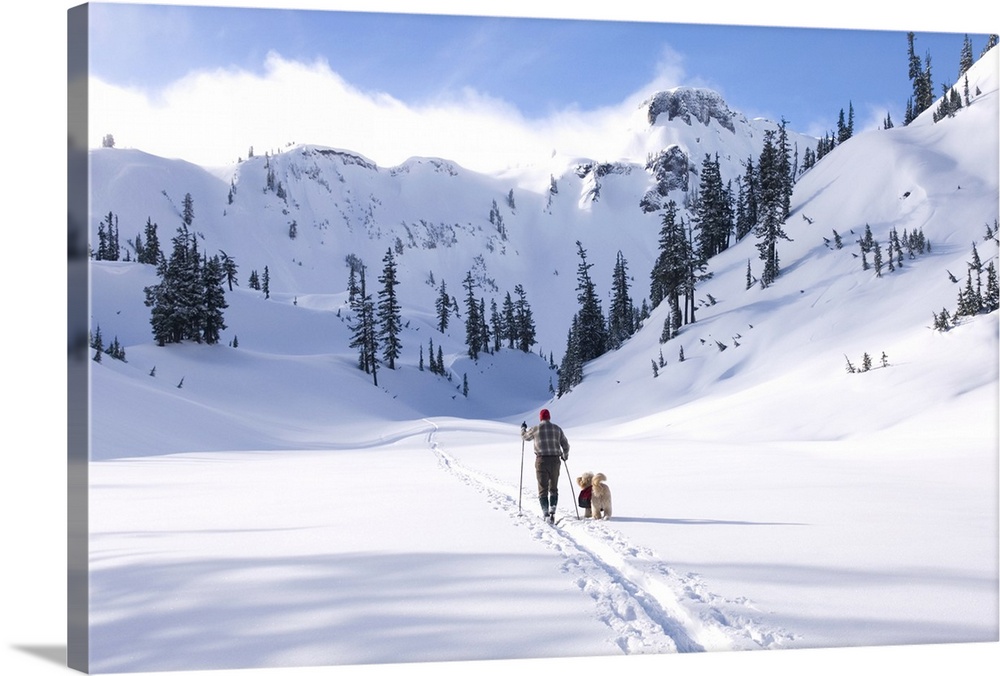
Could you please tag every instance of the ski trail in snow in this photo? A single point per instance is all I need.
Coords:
(649, 607)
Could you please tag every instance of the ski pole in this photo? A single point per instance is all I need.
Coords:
(520, 482)
(576, 506)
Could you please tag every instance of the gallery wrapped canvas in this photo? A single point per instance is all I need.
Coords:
(357, 299)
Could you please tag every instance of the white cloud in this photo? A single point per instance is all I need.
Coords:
(214, 117)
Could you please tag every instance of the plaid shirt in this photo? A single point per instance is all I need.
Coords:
(549, 439)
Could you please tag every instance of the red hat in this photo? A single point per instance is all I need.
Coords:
(544, 414)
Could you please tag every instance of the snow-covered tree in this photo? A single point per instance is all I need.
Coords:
(389, 312)
(364, 329)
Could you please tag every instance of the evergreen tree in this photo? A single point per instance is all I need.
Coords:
(389, 312)
(508, 323)
(364, 332)
(187, 302)
(774, 200)
(747, 200)
(139, 248)
(571, 368)
(843, 132)
(496, 326)
(524, 323)
(352, 284)
(108, 247)
(473, 332)
(97, 344)
(867, 240)
(213, 277)
(621, 314)
(187, 210)
(991, 298)
(443, 307)
(484, 328)
(151, 252)
(669, 270)
(991, 42)
(229, 269)
(966, 60)
(713, 210)
(265, 283)
(592, 339)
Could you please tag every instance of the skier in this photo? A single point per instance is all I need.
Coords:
(551, 446)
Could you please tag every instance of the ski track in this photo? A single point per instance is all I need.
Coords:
(650, 608)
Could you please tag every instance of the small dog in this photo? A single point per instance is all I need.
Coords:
(600, 497)
(585, 482)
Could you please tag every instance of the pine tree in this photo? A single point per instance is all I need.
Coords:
(187, 212)
(966, 60)
(442, 306)
(774, 200)
(229, 269)
(991, 42)
(151, 252)
(97, 344)
(593, 335)
(621, 314)
(212, 320)
(991, 299)
(571, 367)
(843, 132)
(389, 312)
(747, 200)
(265, 283)
(496, 326)
(524, 322)
(867, 240)
(508, 323)
(364, 336)
(187, 302)
(484, 328)
(713, 211)
(670, 269)
(473, 332)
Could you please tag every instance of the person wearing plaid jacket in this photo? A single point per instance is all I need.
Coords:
(551, 446)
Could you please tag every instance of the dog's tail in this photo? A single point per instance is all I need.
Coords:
(599, 479)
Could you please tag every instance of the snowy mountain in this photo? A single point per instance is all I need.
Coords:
(442, 222)
(757, 481)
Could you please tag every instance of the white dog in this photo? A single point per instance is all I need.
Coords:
(600, 497)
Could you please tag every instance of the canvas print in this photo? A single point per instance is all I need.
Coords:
(422, 338)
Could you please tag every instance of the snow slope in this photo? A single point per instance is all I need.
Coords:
(268, 506)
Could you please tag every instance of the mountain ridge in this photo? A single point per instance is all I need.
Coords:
(443, 222)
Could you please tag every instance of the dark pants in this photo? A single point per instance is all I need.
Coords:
(547, 473)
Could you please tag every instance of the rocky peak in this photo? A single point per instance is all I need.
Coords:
(690, 104)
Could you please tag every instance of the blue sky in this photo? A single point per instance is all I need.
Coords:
(540, 72)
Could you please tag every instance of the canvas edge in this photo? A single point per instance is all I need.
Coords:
(78, 295)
